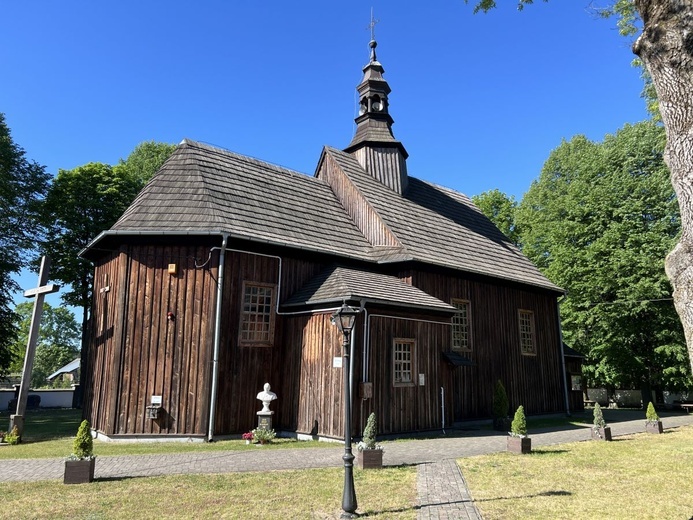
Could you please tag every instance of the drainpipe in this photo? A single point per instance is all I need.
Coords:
(217, 337)
(560, 339)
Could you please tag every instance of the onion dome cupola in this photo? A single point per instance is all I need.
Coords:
(374, 145)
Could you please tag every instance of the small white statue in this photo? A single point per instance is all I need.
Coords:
(266, 396)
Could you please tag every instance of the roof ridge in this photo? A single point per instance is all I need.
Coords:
(249, 158)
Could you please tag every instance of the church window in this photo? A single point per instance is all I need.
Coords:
(461, 326)
(257, 315)
(403, 359)
(527, 343)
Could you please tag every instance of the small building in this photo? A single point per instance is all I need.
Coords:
(225, 271)
(69, 372)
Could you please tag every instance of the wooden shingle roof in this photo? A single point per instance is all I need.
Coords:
(337, 284)
(440, 226)
(206, 190)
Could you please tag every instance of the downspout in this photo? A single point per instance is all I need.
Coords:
(560, 339)
(217, 337)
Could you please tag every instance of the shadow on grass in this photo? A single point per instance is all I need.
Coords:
(558, 493)
(548, 452)
(369, 513)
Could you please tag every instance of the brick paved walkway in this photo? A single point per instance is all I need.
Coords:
(442, 491)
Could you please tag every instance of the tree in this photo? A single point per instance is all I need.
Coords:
(144, 161)
(664, 47)
(22, 186)
(58, 341)
(599, 222)
(500, 209)
(81, 203)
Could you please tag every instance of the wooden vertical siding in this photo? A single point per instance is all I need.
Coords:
(355, 204)
(149, 354)
(319, 399)
(388, 165)
(534, 381)
(243, 370)
(414, 407)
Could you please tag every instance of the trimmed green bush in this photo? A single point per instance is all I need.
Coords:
(599, 421)
(519, 425)
(651, 413)
(83, 445)
(500, 401)
(370, 432)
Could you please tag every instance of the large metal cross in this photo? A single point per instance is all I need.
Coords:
(38, 294)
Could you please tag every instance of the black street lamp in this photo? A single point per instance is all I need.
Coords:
(344, 318)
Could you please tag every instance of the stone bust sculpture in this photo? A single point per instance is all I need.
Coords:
(266, 396)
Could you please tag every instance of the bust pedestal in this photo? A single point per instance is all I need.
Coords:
(264, 420)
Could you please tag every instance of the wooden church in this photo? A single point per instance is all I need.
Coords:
(225, 271)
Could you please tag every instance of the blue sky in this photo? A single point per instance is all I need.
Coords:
(479, 101)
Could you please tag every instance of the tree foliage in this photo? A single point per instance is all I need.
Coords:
(23, 184)
(80, 204)
(144, 161)
(58, 341)
(500, 209)
(599, 222)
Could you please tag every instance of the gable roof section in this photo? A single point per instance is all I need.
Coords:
(337, 284)
(441, 226)
(205, 189)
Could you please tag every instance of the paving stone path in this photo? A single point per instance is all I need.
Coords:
(442, 491)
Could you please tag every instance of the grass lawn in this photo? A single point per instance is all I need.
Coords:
(640, 476)
(389, 493)
(49, 433)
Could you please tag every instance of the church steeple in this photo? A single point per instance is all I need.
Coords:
(374, 144)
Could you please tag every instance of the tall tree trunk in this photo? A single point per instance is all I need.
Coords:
(666, 48)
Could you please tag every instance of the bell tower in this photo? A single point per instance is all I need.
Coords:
(374, 145)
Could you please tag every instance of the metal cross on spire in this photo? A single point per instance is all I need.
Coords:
(371, 25)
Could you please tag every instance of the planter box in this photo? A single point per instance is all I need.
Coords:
(601, 434)
(521, 445)
(79, 471)
(654, 427)
(369, 459)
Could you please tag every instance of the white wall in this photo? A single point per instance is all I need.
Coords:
(58, 398)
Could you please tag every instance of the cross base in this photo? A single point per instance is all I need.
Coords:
(18, 421)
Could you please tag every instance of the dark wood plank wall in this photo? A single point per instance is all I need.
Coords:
(155, 355)
(98, 377)
(414, 407)
(358, 208)
(319, 403)
(244, 370)
(533, 381)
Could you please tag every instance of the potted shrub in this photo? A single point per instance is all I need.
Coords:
(248, 437)
(263, 435)
(79, 467)
(600, 430)
(369, 455)
(653, 424)
(518, 442)
(501, 421)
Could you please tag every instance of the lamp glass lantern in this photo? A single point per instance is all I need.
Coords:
(344, 318)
